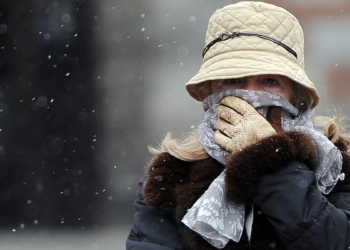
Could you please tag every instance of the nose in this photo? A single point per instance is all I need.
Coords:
(251, 83)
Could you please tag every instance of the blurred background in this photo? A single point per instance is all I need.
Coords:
(87, 85)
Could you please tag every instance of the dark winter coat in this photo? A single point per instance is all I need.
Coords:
(276, 175)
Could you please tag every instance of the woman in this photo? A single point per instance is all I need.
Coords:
(255, 174)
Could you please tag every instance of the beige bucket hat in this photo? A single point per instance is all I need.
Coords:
(252, 38)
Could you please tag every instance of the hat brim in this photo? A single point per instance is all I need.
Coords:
(237, 64)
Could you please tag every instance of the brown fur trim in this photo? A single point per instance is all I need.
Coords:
(269, 155)
(342, 144)
(162, 176)
(346, 163)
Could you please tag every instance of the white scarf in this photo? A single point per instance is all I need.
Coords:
(217, 218)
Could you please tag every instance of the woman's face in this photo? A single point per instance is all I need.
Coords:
(277, 84)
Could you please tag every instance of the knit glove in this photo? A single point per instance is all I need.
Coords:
(239, 125)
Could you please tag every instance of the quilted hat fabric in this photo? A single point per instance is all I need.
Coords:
(243, 56)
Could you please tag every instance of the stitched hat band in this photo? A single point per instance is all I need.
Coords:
(226, 36)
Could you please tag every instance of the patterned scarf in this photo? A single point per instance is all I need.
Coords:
(217, 218)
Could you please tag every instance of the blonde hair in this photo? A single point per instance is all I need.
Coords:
(332, 127)
(186, 148)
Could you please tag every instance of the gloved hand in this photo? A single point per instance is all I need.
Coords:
(240, 125)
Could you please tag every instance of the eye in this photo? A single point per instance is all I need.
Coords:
(232, 81)
(271, 82)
